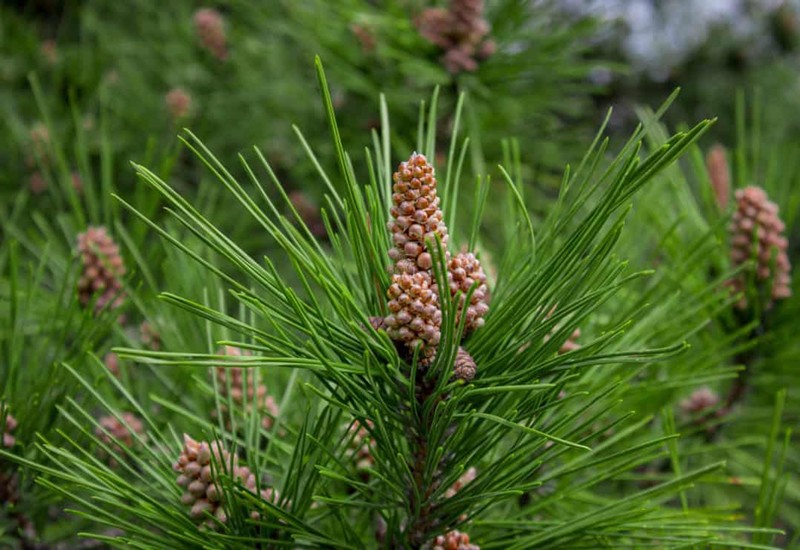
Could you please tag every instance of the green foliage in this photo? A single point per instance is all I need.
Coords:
(246, 326)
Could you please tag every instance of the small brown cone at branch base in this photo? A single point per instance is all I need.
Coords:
(201, 479)
(465, 367)
(756, 229)
(454, 540)
(720, 175)
(103, 269)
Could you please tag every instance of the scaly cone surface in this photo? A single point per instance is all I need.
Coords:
(756, 229)
(415, 317)
(464, 270)
(103, 269)
(202, 482)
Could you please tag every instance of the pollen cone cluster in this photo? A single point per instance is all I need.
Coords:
(116, 434)
(103, 269)
(415, 314)
(464, 270)
(415, 317)
(210, 29)
(460, 30)
(454, 540)
(240, 385)
(9, 426)
(757, 231)
(201, 479)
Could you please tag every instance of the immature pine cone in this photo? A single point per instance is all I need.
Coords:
(415, 316)
(756, 225)
(700, 400)
(720, 175)
(102, 269)
(454, 540)
(253, 394)
(465, 367)
(464, 270)
(201, 480)
(210, 29)
(119, 435)
(10, 426)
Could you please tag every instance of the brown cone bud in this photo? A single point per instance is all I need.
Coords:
(103, 269)
(376, 322)
(454, 540)
(201, 479)
(465, 367)
(756, 229)
(720, 175)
